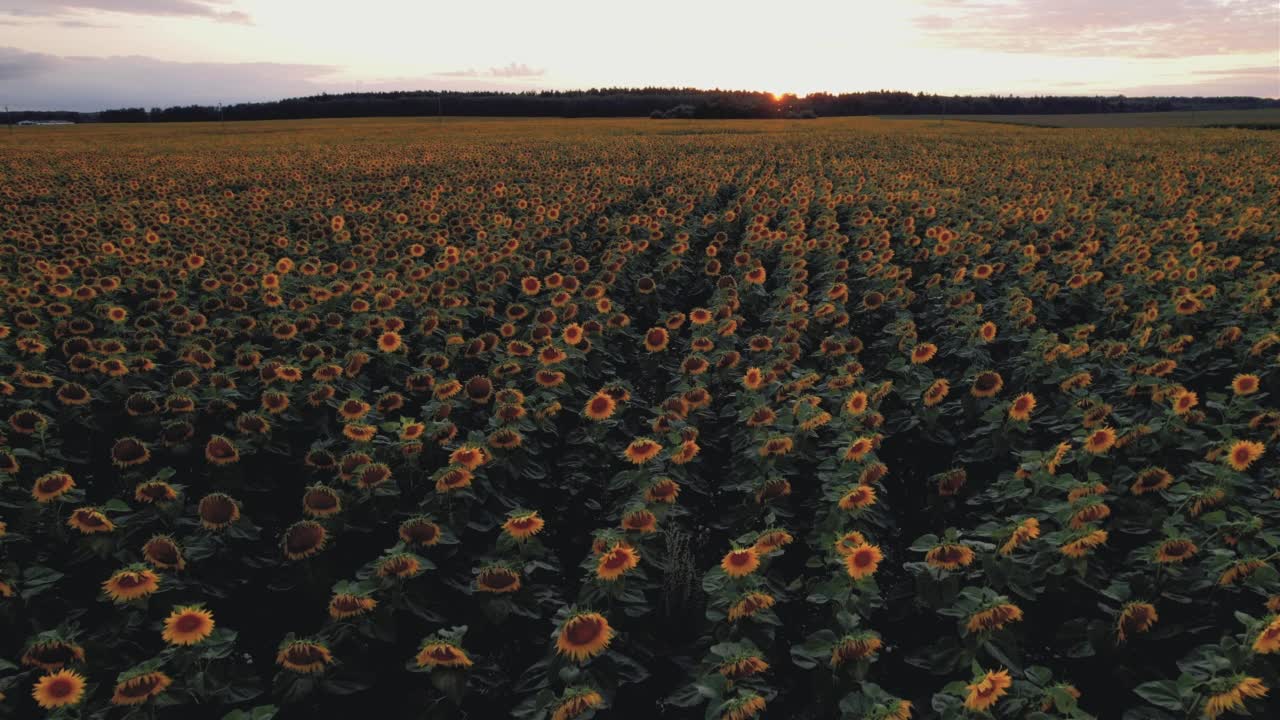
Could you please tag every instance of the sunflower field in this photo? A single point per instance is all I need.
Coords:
(557, 420)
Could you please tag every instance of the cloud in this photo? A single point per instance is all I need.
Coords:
(51, 82)
(511, 70)
(77, 24)
(41, 81)
(516, 70)
(1106, 28)
(201, 9)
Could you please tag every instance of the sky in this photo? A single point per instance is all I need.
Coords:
(94, 54)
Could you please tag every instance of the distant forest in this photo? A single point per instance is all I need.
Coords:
(647, 102)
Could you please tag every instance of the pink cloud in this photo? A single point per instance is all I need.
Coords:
(209, 9)
(1107, 28)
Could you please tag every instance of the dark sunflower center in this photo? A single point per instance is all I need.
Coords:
(61, 688)
(189, 623)
(584, 631)
(497, 579)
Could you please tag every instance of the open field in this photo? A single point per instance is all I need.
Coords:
(1256, 119)
(841, 418)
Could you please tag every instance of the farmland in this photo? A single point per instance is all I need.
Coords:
(839, 418)
(1265, 119)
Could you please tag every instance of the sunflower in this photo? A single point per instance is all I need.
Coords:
(776, 446)
(399, 566)
(60, 689)
(372, 475)
(132, 583)
(304, 656)
(600, 406)
(359, 432)
(987, 690)
(744, 665)
(862, 561)
(642, 521)
(412, 430)
(51, 486)
(746, 705)
(221, 451)
(469, 457)
(73, 394)
(9, 464)
(750, 604)
(389, 342)
(437, 653)
(583, 635)
(1240, 570)
(856, 404)
(28, 422)
(772, 489)
(740, 562)
(1245, 384)
(52, 655)
(852, 648)
(656, 340)
(923, 353)
(218, 511)
(1243, 453)
(350, 463)
(1022, 407)
(164, 553)
(1152, 479)
(1175, 551)
(420, 531)
(549, 378)
(987, 384)
(576, 702)
(1268, 640)
(993, 617)
(859, 449)
(1100, 441)
(1232, 697)
(949, 557)
(452, 477)
(523, 526)
(321, 501)
(1081, 545)
(353, 409)
(304, 539)
(90, 521)
(859, 498)
(1025, 532)
(348, 605)
(663, 490)
(770, 540)
(187, 625)
(1091, 512)
(616, 562)
(936, 392)
(754, 378)
(274, 402)
(642, 450)
(138, 688)
(497, 579)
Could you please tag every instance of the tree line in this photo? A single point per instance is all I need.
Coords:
(647, 102)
